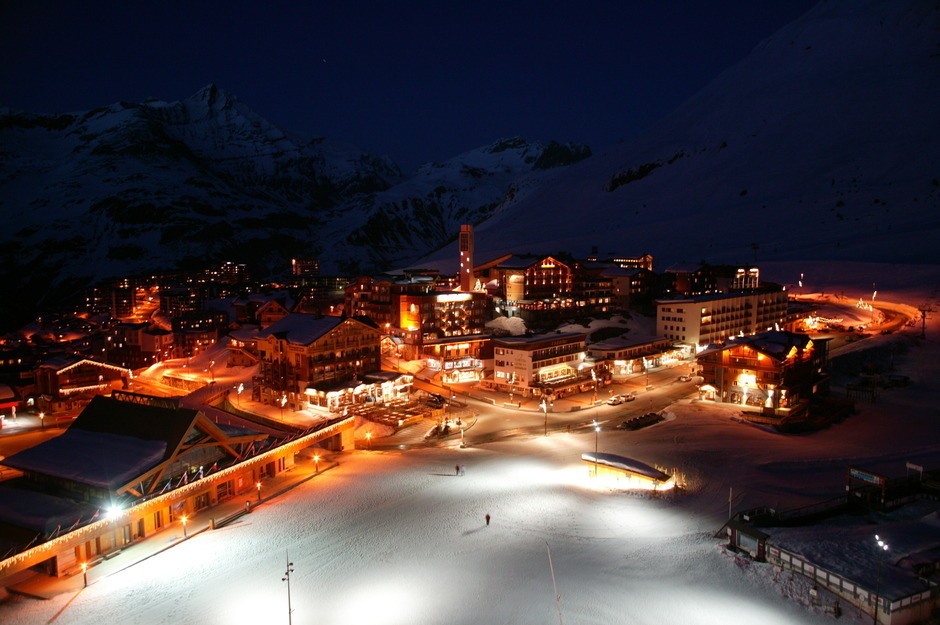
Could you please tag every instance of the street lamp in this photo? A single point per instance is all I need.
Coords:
(183, 520)
(258, 487)
(544, 406)
(316, 460)
(241, 387)
(85, 572)
(369, 440)
(883, 546)
(42, 421)
(286, 578)
(597, 428)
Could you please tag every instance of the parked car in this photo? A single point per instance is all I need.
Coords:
(685, 378)
(629, 396)
(616, 400)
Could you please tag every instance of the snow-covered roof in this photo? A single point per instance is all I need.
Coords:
(773, 343)
(626, 464)
(40, 512)
(246, 334)
(97, 459)
(538, 338)
(109, 444)
(624, 342)
(301, 328)
(846, 545)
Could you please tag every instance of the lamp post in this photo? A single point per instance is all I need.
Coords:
(42, 421)
(882, 546)
(183, 520)
(544, 406)
(241, 387)
(597, 428)
(85, 573)
(258, 487)
(316, 462)
(286, 578)
(594, 378)
(369, 440)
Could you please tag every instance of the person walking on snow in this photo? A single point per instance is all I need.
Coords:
(487, 519)
(457, 469)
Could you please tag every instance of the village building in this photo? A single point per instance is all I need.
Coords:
(774, 372)
(320, 361)
(444, 329)
(64, 384)
(138, 345)
(537, 289)
(700, 320)
(553, 365)
(644, 261)
(131, 465)
(623, 356)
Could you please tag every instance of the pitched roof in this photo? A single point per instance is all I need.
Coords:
(110, 443)
(305, 328)
(773, 343)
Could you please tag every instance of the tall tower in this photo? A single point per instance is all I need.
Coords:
(466, 257)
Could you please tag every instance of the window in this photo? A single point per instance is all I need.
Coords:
(225, 489)
(158, 519)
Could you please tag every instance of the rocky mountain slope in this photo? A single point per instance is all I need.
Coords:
(133, 188)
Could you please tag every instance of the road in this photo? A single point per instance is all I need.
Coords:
(500, 422)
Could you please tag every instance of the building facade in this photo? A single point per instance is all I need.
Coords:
(774, 372)
(705, 319)
(549, 364)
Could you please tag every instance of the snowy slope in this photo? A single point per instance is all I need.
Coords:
(821, 144)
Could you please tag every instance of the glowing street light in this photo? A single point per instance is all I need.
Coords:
(183, 520)
(258, 487)
(316, 461)
(597, 428)
(85, 572)
(42, 421)
(883, 546)
(369, 440)
(241, 387)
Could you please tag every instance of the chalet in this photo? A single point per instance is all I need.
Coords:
(66, 383)
(129, 466)
(306, 357)
(773, 372)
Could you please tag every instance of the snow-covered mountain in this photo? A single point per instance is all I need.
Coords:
(132, 188)
(823, 143)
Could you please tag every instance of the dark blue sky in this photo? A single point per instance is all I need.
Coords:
(418, 81)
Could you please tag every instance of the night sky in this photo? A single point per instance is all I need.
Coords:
(417, 81)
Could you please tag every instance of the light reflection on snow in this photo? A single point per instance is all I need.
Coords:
(377, 602)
